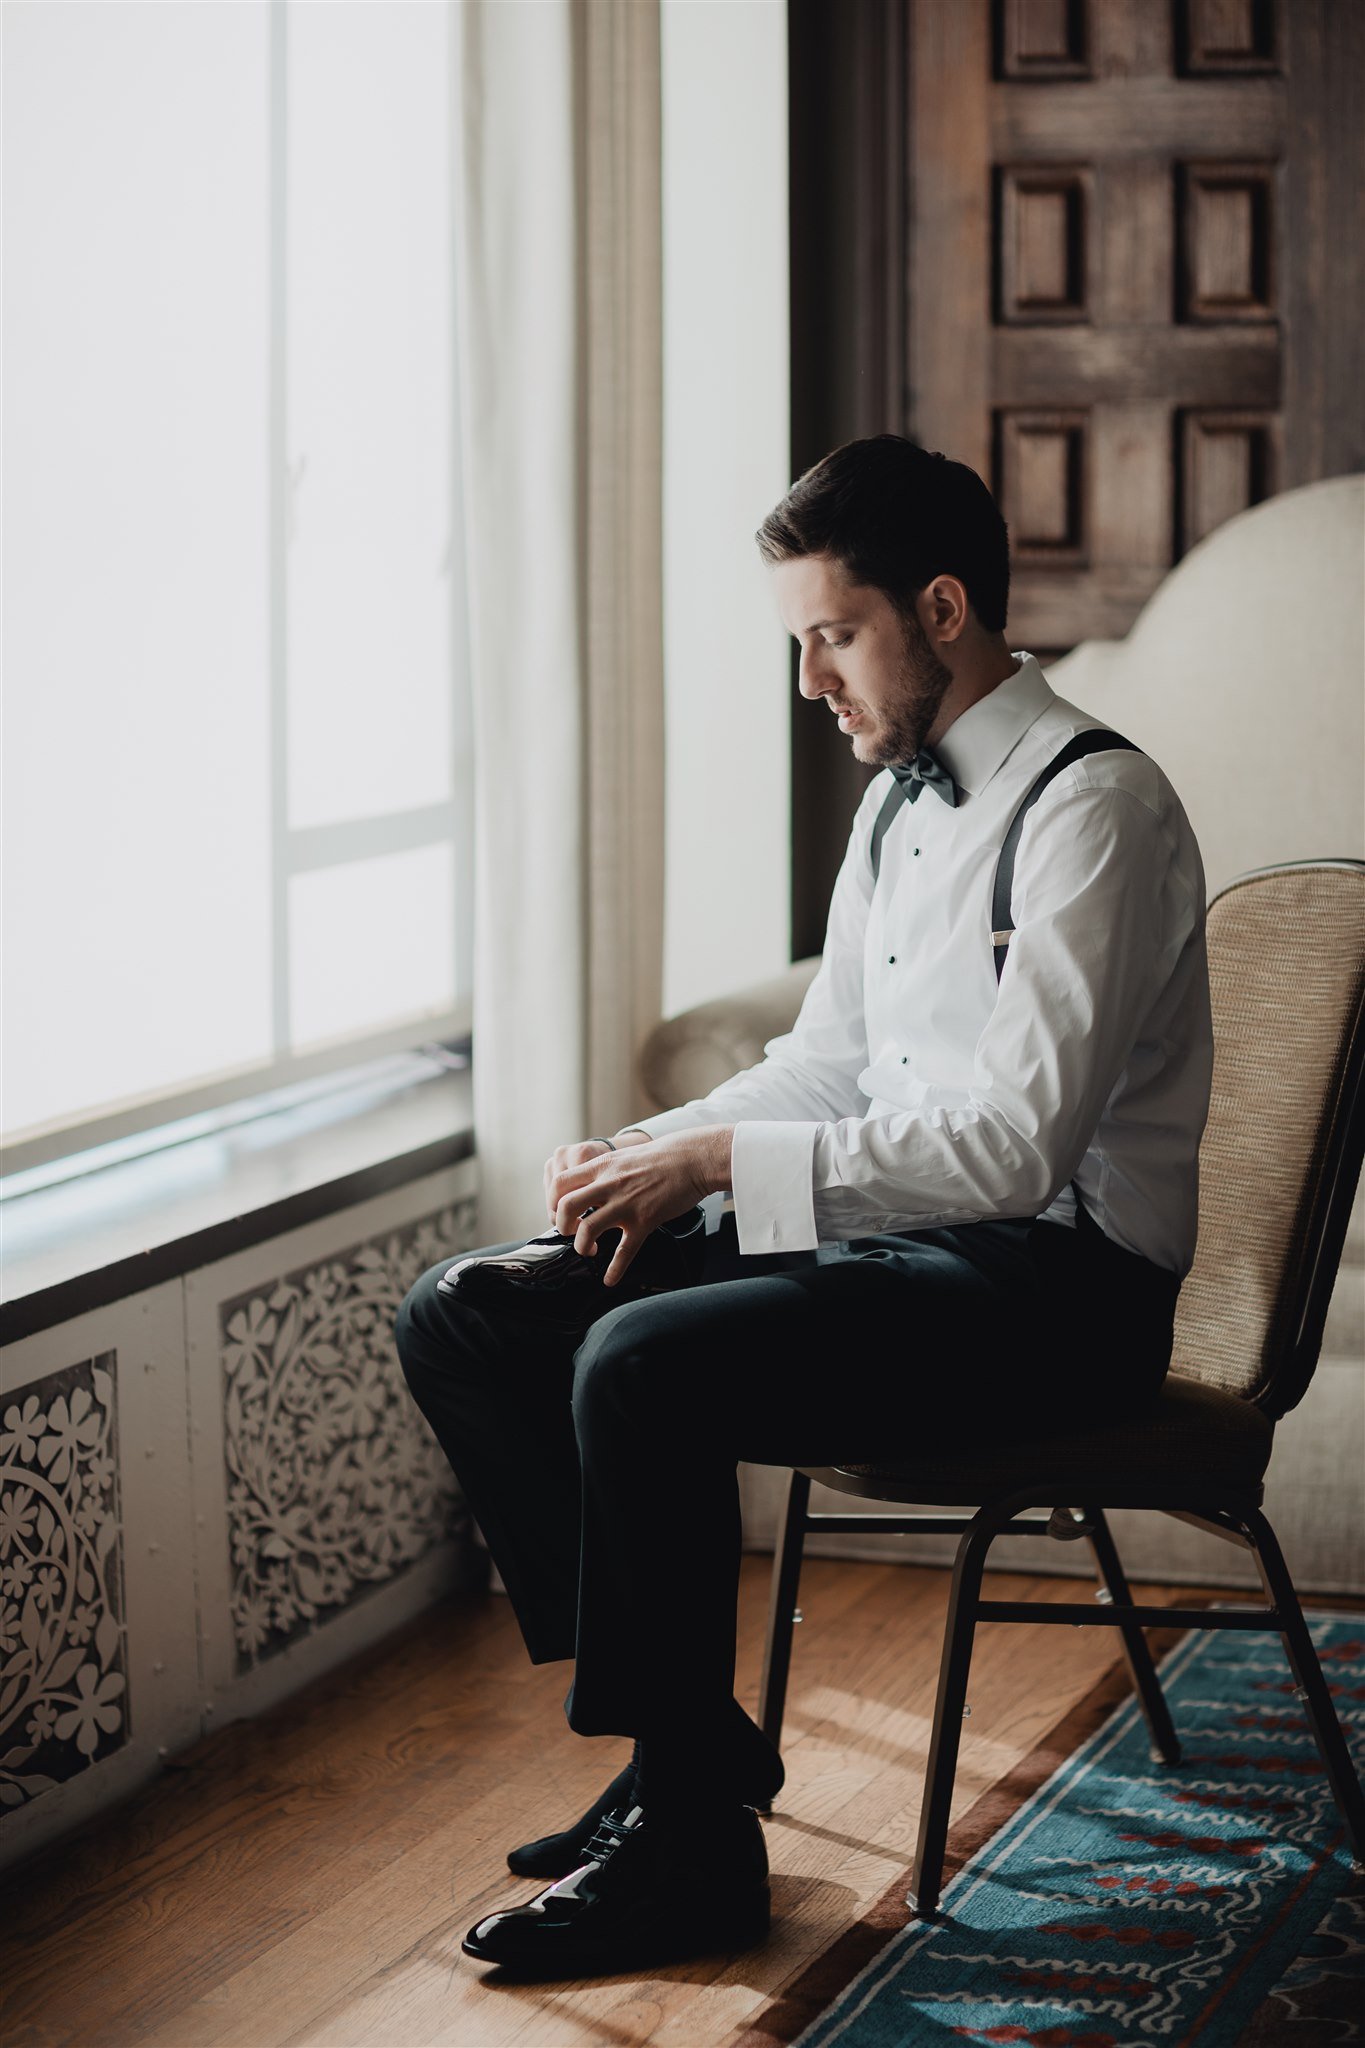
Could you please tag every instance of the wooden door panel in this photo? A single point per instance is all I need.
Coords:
(1042, 39)
(1044, 236)
(1230, 37)
(1227, 268)
(1228, 460)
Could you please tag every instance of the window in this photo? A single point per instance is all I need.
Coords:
(236, 782)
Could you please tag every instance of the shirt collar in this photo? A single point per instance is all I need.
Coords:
(977, 742)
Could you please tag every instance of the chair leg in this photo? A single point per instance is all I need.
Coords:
(926, 1880)
(1303, 1662)
(1137, 1655)
(777, 1652)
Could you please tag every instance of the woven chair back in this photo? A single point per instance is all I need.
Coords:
(1281, 1153)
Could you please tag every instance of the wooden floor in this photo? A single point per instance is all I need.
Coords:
(306, 1878)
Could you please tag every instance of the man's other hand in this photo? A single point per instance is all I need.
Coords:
(565, 1157)
(633, 1189)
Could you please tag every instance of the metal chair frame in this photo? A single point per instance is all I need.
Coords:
(1236, 1518)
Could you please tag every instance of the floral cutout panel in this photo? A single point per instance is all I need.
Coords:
(63, 1665)
(334, 1481)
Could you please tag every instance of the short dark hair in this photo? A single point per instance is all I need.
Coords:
(896, 515)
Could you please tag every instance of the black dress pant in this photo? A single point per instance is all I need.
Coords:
(602, 1472)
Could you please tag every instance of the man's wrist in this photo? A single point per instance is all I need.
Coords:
(631, 1135)
(718, 1158)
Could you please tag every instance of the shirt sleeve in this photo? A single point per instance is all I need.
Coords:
(809, 1075)
(1091, 952)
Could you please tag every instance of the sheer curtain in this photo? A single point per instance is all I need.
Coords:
(561, 416)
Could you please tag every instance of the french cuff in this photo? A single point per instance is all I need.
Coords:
(771, 1172)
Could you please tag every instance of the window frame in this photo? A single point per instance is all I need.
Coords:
(301, 850)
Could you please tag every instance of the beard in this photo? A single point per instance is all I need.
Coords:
(922, 684)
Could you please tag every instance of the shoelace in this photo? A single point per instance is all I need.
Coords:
(609, 1835)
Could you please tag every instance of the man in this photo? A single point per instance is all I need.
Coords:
(964, 1195)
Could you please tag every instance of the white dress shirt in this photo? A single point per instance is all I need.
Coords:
(913, 1092)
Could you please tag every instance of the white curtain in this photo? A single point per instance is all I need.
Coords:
(561, 415)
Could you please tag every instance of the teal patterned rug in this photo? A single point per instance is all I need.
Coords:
(1208, 1906)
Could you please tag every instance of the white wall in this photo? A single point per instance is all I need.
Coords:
(726, 443)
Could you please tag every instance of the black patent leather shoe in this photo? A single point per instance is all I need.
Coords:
(547, 1279)
(642, 1896)
(752, 1775)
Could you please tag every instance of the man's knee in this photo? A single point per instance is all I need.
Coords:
(427, 1331)
(624, 1354)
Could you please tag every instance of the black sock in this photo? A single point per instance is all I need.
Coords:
(672, 1790)
(708, 1766)
(686, 1773)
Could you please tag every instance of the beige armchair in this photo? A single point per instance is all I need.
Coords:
(1243, 677)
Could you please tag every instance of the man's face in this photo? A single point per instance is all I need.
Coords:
(873, 666)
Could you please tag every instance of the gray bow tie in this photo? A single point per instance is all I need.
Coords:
(924, 771)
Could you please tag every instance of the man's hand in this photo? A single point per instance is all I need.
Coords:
(563, 1160)
(566, 1156)
(635, 1189)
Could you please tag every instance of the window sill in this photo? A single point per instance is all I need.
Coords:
(98, 1239)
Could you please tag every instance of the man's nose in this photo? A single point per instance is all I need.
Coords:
(815, 676)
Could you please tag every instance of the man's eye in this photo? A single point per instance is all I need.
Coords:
(840, 643)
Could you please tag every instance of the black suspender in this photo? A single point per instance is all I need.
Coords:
(1099, 740)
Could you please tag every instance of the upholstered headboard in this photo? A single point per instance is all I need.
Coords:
(1244, 676)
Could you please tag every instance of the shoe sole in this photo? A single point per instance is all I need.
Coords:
(609, 1958)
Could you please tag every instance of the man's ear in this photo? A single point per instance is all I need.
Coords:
(943, 609)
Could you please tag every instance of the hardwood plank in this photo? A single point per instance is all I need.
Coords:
(188, 1797)
(262, 1801)
(307, 1879)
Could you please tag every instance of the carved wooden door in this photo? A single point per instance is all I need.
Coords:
(1120, 247)
(1109, 252)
